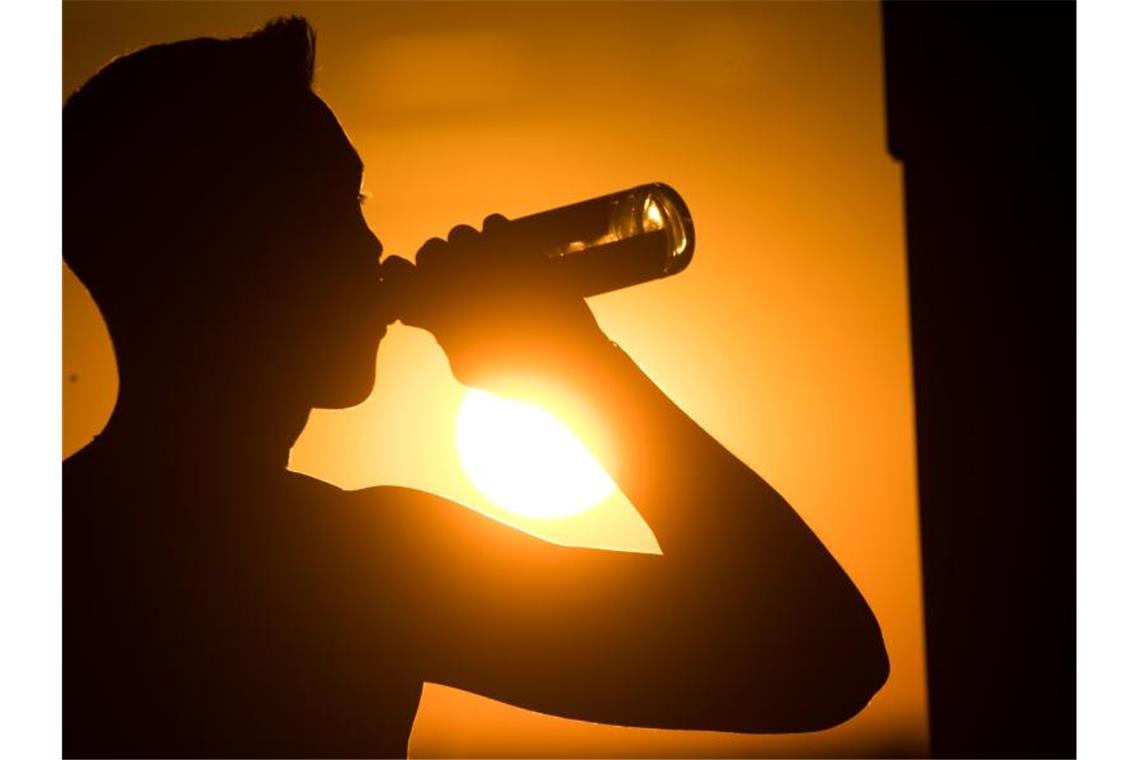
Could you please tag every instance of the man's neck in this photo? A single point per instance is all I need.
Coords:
(204, 427)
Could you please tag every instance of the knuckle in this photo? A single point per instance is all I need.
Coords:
(462, 232)
(430, 251)
(432, 245)
(493, 221)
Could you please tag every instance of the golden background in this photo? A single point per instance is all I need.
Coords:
(786, 338)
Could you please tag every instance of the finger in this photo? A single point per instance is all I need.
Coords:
(494, 224)
(396, 270)
(397, 278)
(462, 234)
(431, 252)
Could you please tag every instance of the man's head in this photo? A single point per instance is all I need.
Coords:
(211, 207)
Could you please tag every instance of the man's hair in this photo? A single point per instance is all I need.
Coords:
(162, 145)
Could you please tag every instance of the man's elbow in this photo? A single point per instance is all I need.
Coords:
(836, 677)
(855, 669)
(818, 687)
(865, 671)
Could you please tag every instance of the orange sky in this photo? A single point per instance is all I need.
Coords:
(786, 337)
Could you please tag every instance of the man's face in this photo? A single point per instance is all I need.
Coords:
(324, 313)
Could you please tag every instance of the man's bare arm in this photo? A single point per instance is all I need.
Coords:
(744, 623)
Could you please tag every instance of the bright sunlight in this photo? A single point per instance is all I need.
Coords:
(525, 460)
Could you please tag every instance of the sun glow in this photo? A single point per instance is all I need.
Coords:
(525, 460)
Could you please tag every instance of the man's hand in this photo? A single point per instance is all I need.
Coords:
(495, 304)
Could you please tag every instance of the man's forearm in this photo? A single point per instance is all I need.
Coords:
(692, 491)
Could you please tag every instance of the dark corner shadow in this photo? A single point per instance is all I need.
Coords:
(981, 107)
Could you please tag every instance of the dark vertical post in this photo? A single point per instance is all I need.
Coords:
(981, 109)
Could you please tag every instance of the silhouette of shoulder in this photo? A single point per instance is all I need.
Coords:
(224, 615)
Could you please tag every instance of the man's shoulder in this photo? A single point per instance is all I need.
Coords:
(381, 503)
(371, 496)
(388, 528)
(416, 520)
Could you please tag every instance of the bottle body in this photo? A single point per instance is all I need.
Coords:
(598, 245)
(616, 240)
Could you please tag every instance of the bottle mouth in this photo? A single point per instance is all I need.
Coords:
(663, 209)
(660, 212)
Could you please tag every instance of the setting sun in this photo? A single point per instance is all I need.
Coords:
(525, 460)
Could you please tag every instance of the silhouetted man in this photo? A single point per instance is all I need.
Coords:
(218, 604)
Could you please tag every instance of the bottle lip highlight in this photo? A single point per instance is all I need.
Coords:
(677, 220)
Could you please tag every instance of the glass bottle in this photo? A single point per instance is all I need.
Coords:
(616, 240)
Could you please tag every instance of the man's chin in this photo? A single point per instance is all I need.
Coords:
(345, 396)
(349, 385)
(350, 391)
